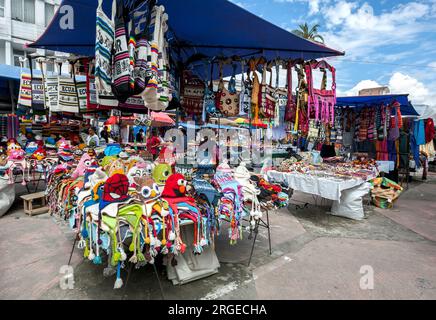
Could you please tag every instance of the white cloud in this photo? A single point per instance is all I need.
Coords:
(400, 83)
(364, 84)
(359, 31)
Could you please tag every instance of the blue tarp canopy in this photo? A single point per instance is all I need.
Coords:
(407, 108)
(211, 28)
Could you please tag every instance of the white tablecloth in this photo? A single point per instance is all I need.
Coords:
(346, 194)
(328, 188)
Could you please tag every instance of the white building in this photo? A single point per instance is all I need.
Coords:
(22, 22)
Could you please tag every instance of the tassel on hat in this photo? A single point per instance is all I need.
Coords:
(119, 282)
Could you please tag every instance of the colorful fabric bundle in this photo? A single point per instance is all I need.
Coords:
(67, 100)
(384, 192)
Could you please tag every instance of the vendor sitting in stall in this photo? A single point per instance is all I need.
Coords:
(92, 139)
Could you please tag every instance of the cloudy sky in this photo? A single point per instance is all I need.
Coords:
(387, 42)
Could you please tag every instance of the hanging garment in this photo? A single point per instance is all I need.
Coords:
(429, 130)
(419, 132)
(105, 37)
(322, 100)
(68, 100)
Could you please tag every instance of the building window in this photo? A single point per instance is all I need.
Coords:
(17, 56)
(23, 10)
(49, 13)
(2, 8)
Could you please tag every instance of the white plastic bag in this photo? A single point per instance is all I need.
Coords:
(351, 206)
(7, 196)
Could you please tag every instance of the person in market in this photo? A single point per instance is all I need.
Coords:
(105, 134)
(153, 144)
(92, 139)
(140, 136)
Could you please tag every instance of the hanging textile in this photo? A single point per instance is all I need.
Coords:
(429, 130)
(322, 100)
(13, 126)
(38, 97)
(291, 107)
(105, 36)
(25, 95)
(140, 33)
(82, 96)
(121, 84)
(51, 92)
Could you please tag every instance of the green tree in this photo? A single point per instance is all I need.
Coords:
(309, 33)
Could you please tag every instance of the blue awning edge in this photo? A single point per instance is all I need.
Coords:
(211, 28)
(406, 106)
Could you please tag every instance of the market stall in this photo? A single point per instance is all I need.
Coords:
(132, 209)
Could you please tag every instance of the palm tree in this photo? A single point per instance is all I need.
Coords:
(308, 33)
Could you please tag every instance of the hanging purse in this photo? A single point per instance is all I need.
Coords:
(268, 100)
(68, 100)
(322, 100)
(229, 98)
(193, 95)
(141, 29)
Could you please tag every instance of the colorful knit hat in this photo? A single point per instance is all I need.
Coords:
(116, 189)
(175, 186)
